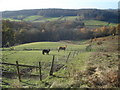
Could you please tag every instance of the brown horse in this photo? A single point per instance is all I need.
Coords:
(62, 48)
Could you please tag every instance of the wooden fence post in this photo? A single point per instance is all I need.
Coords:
(68, 56)
(18, 71)
(77, 52)
(89, 47)
(51, 70)
(40, 71)
(74, 53)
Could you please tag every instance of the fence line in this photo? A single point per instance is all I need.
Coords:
(39, 66)
(19, 65)
(68, 56)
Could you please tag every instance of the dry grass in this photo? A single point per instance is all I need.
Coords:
(101, 67)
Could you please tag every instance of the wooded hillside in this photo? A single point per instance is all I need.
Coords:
(104, 15)
(25, 32)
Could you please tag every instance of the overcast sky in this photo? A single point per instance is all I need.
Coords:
(65, 4)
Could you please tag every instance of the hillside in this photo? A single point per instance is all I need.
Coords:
(41, 14)
(64, 28)
(96, 67)
(88, 23)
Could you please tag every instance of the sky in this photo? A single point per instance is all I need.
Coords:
(8, 5)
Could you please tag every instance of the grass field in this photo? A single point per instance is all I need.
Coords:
(33, 57)
(33, 18)
(46, 45)
(36, 56)
(97, 22)
(12, 19)
(68, 18)
(85, 69)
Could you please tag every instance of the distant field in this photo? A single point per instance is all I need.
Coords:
(37, 18)
(33, 18)
(96, 22)
(12, 19)
(70, 18)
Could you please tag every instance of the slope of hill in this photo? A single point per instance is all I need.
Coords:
(96, 68)
(35, 14)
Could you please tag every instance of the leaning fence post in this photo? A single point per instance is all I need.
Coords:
(18, 71)
(40, 71)
(77, 52)
(74, 53)
(51, 70)
(68, 56)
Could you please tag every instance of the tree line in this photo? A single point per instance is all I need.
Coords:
(14, 33)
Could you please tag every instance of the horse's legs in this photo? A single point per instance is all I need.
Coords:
(43, 53)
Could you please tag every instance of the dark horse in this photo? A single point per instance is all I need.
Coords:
(45, 51)
(62, 48)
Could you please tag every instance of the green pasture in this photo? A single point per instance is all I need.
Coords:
(97, 22)
(12, 19)
(33, 18)
(77, 62)
(48, 45)
(66, 76)
(43, 19)
(37, 18)
(40, 18)
(69, 18)
(34, 56)
(31, 57)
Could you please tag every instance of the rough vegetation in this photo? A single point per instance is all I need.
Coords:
(102, 65)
